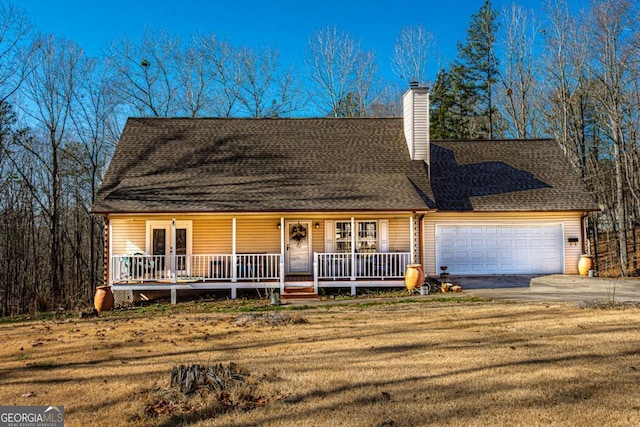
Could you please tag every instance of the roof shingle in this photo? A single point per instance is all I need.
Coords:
(163, 165)
(253, 165)
(505, 175)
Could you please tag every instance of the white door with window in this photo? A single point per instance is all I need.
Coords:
(298, 247)
(159, 244)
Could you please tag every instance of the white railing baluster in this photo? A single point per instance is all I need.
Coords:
(141, 268)
(336, 266)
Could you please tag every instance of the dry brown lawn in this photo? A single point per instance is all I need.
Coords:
(408, 364)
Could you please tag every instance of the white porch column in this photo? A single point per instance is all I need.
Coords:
(353, 248)
(412, 238)
(282, 272)
(234, 260)
(173, 250)
(315, 272)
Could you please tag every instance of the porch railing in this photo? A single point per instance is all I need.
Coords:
(211, 267)
(335, 266)
(242, 267)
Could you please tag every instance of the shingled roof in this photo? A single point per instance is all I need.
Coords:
(230, 165)
(505, 175)
(261, 165)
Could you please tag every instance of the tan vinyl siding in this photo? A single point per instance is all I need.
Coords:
(571, 222)
(257, 235)
(212, 235)
(317, 242)
(127, 236)
(399, 235)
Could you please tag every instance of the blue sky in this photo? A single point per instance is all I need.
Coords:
(284, 24)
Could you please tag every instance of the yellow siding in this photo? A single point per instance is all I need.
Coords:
(571, 222)
(399, 235)
(317, 241)
(257, 235)
(127, 236)
(212, 234)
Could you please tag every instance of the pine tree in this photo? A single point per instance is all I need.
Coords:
(452, 113)
(477, 71)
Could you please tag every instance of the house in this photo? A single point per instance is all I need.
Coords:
(216, 203)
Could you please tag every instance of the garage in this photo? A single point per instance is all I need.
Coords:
(500, 249)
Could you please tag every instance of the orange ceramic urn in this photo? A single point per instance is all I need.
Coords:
(103, 300)
(585, 264)
(413, 276)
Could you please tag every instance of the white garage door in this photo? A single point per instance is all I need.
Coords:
(500, 249)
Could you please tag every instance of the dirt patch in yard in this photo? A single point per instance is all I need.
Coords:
(447, 363)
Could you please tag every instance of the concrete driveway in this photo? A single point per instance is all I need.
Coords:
(555, 287)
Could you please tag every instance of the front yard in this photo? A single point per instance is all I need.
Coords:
(452, 362)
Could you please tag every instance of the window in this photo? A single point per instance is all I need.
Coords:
(366, 239)
(367, 236)
(343, 236)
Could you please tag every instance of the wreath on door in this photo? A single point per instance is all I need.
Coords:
(298, 233)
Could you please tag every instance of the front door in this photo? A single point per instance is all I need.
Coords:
(298, 247)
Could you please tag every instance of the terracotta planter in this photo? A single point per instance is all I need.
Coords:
(103, 300)
(585, 264)
(413, 276)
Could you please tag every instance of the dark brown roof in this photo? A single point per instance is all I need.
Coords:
(232, 165)
(503, 175)
(178, 165)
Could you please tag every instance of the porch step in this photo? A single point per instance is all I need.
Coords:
(299, 292)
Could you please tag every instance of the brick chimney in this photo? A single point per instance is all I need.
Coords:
(415, 106)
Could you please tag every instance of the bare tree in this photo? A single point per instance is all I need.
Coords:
(16, 50)
(388, 102)
(50, 88)
(267, 90)
(341, 72)
(413, 50)
(519, 72)
(225, 63)
(196, 75)
(616, 61)
(146, 72)
(568, 87)
(97, 125)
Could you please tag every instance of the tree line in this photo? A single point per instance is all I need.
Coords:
(567, 74)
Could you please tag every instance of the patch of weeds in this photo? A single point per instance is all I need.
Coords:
(608, 305)
(268, 319)
(22, 356)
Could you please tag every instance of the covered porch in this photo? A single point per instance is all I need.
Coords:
(364, 251)
(255, 271)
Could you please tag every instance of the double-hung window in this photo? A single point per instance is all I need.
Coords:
(366, 237)
(343, 236)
